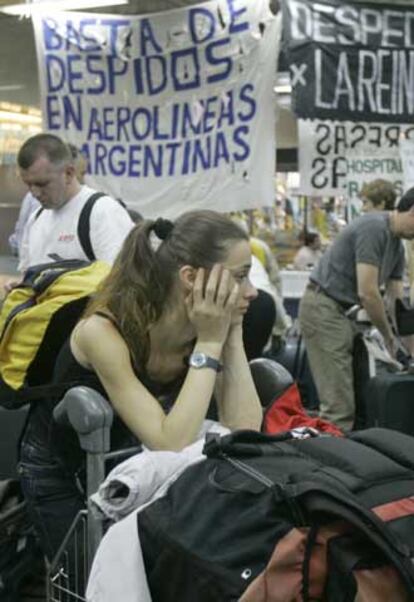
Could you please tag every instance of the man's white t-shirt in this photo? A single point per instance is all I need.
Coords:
(55, 231)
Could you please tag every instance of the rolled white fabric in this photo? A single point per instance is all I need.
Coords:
(147, 475)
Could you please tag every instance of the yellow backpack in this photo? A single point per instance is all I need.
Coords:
(36, 319)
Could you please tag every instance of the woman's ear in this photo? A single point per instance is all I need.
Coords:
(187, 276)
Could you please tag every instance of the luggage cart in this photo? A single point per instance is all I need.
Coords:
(91, 416)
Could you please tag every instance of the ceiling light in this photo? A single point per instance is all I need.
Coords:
(17, 108)
(8, 87)
(30, 8)
(283, 85)
(21, 114)
(282, 89)
(20, 118)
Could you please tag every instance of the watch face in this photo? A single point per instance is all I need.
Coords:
(201, 360)
(197, 360)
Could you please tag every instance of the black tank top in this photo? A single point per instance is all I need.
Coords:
(63, 441)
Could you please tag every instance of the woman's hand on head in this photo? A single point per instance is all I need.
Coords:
(211, 303)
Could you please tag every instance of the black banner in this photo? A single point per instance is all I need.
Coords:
(350, 61)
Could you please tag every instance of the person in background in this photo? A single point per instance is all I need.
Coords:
(160, 338)
(263, 252)
(266, 317)
(365, 256)
(261, 316)
(378, 195)
(80, 162)
(48, 169)
(405, 201)
(310, 253)
(30, 204)
(265, 275)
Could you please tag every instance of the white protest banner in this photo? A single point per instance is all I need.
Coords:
(336, 158)
(370, 164)
(174, 110)
(407, 160)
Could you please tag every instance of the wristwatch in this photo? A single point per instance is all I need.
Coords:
(201, 360)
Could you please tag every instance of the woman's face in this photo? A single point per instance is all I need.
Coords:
(238, 262)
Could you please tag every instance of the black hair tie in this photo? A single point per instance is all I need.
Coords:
(162, 228)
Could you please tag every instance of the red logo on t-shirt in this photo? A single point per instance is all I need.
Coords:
(66, 237)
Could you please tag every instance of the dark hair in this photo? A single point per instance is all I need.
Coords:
(43, 144)
(406, 202)
(135, 215)
(309, 237)
(144, 273)
(380, 191)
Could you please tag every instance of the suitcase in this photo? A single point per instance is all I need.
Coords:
(372, 380)
(390, 402)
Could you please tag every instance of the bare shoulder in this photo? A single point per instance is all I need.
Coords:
(97, 337)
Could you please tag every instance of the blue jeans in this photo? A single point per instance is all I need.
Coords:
(53, 495)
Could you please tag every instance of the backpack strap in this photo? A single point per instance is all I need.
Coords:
(38, 212)
(11, 400)
(84, 225)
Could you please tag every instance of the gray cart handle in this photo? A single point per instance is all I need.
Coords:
(90, 415)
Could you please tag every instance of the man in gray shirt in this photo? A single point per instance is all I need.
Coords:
(366, 255)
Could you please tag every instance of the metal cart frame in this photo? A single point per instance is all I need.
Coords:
(91, 416)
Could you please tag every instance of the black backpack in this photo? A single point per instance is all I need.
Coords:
(274, 518)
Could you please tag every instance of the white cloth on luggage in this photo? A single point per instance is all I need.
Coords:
(377, 351)
(118, 571)
(147, 475)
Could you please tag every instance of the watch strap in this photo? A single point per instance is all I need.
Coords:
(213, 363)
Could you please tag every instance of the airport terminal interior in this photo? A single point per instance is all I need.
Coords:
(206, 300)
